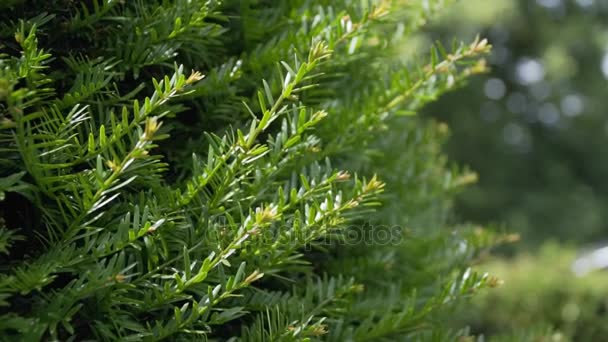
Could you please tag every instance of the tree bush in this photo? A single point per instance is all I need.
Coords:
(280, 191)
(555, 303)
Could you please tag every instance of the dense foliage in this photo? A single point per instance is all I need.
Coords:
(280, 191)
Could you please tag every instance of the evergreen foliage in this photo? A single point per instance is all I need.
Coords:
(281, 191)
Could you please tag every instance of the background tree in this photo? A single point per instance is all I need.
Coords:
(536, 132)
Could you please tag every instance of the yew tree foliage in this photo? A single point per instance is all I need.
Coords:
(189, 169)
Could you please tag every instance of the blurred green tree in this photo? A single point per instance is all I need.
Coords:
(535, 127)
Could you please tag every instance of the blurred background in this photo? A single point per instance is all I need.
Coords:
(535, 130)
